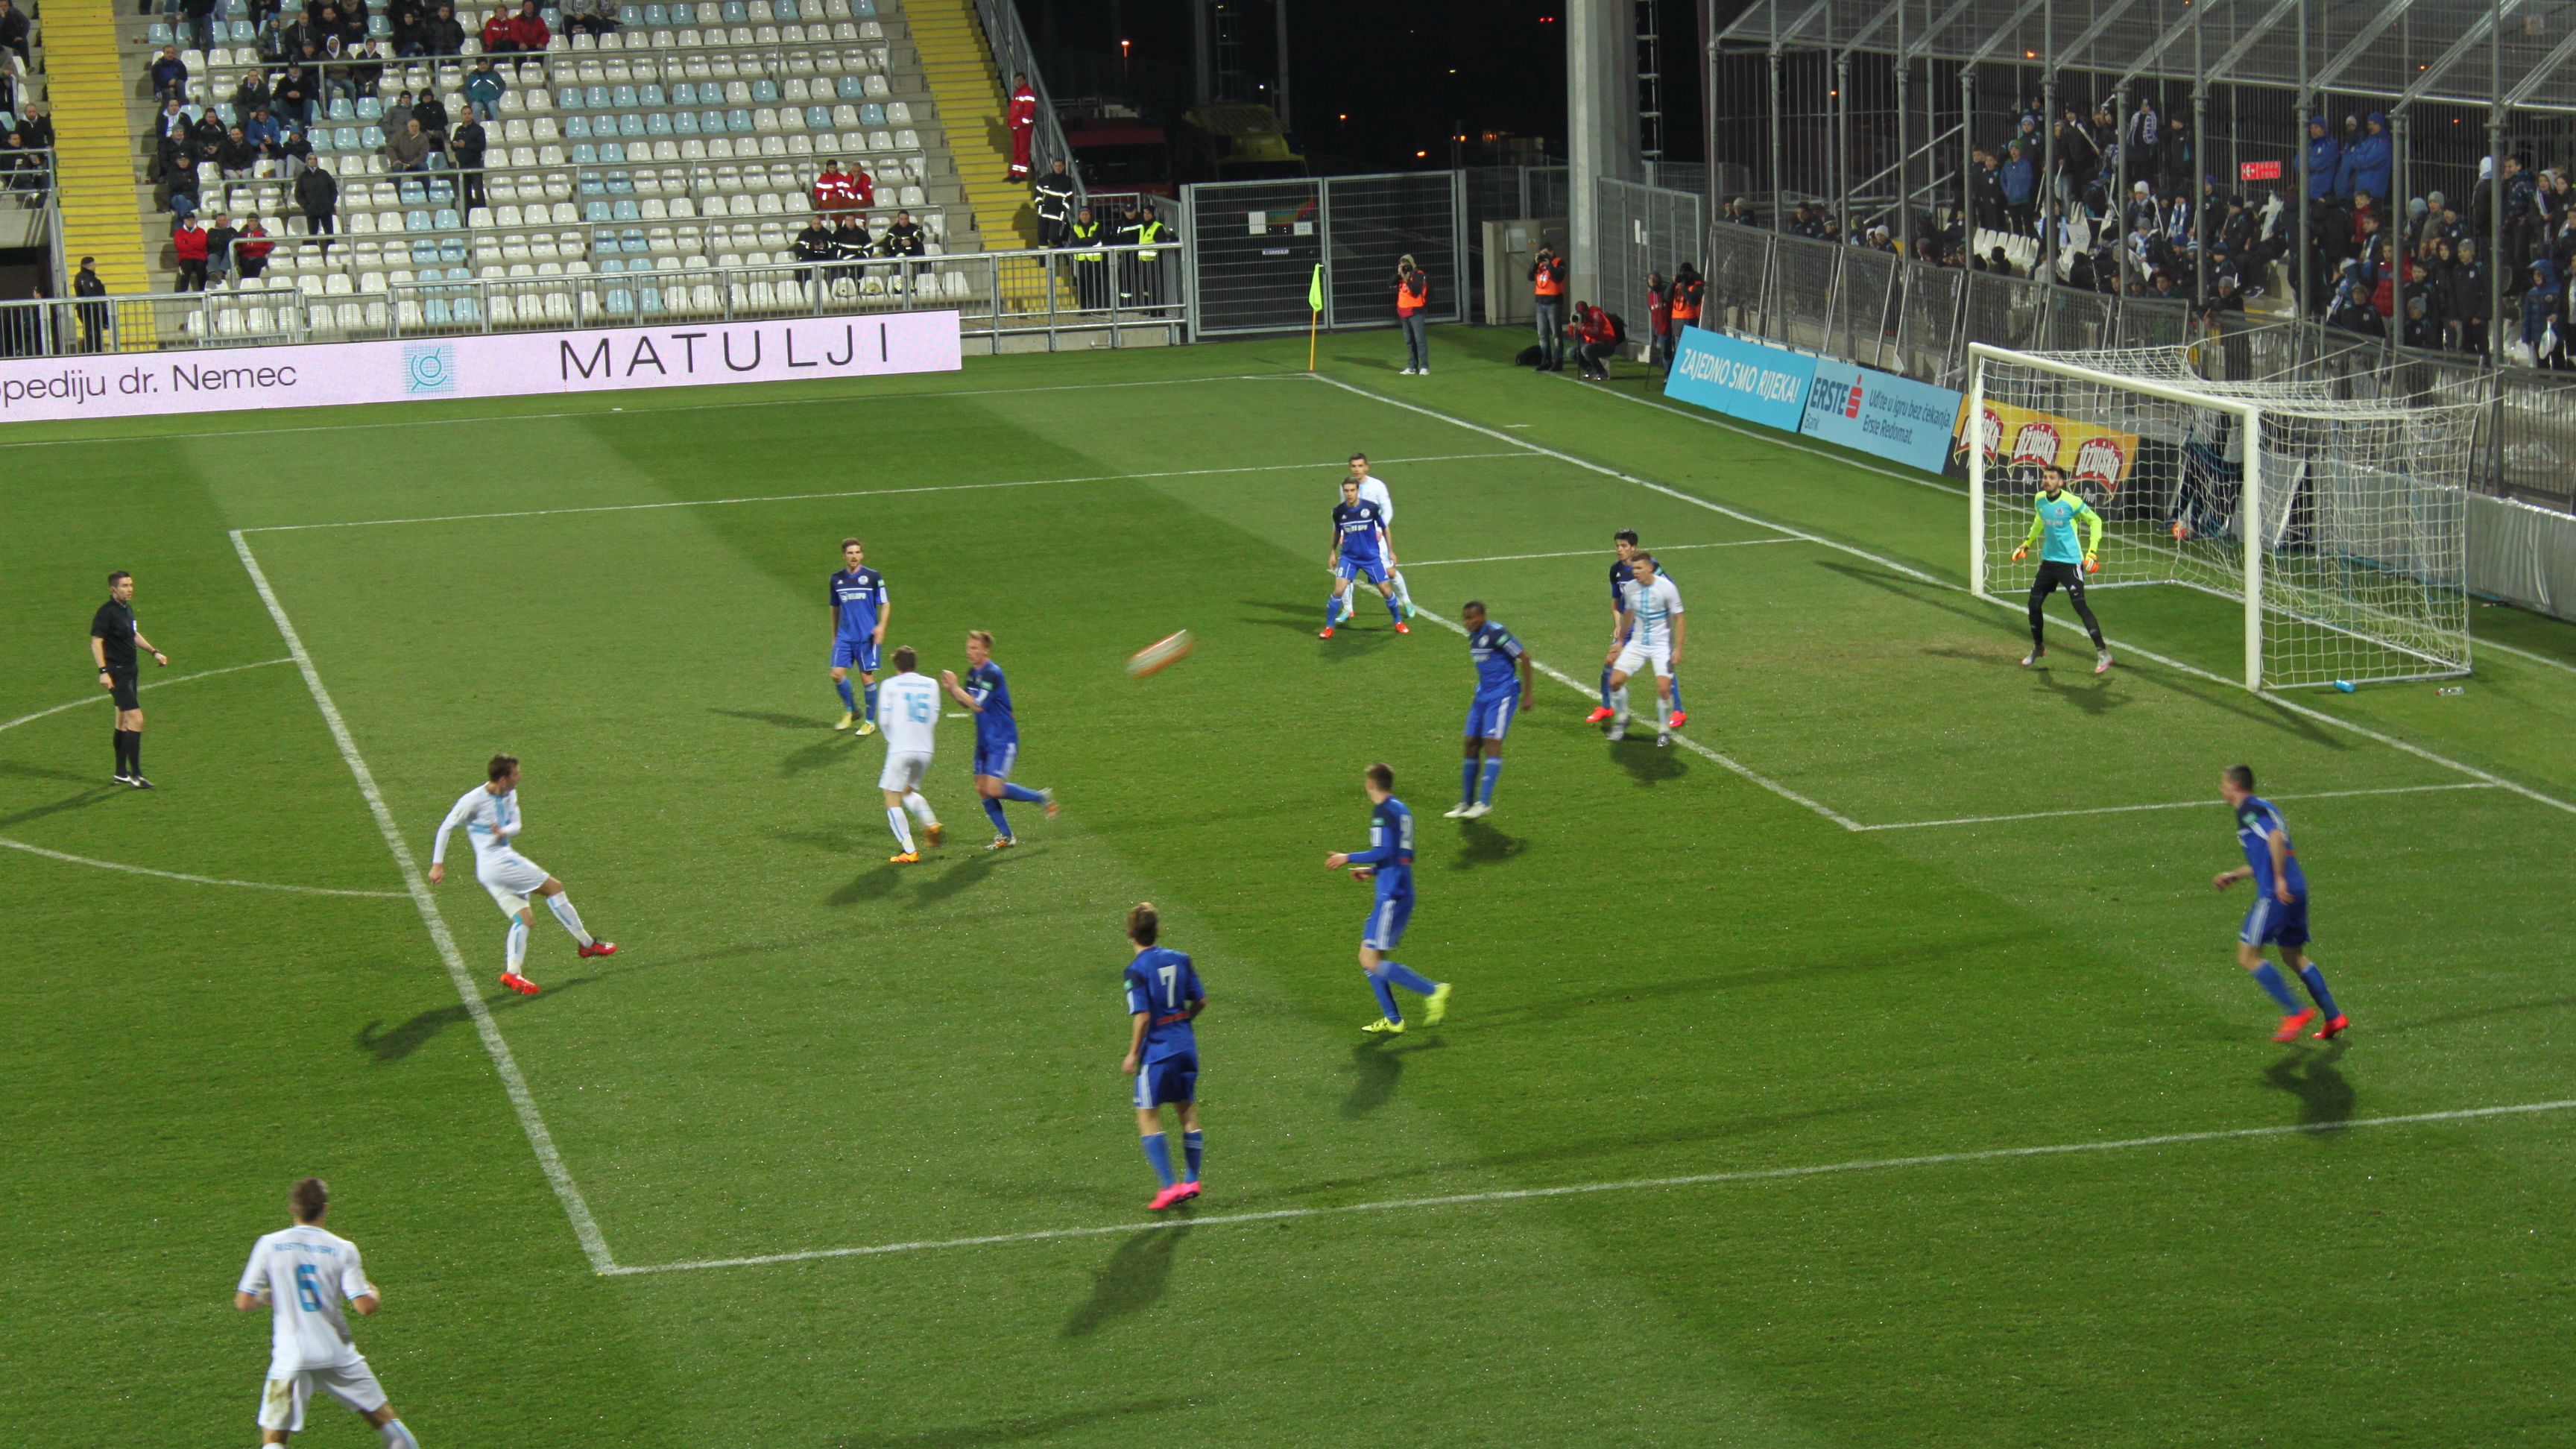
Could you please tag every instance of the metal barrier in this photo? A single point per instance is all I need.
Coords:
(1644, 229)
(1254, 247)
(1116, 295)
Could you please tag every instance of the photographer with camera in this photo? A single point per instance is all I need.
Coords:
(1412, 297)
(1547, 287)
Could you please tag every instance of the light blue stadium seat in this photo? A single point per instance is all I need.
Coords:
(849, 88)
(872, 114)
(684, 123)
(630, 14)
(620, 184)
(369, 137)
(684, 13)
(411, 192)
(379, 28)
(621, 302)
(585, 154)
(592, 185)
(764, 91)
(657, 14)
(452, 250)
(416, 219)
(736, 13)
(630, 123)
(442, 192)
(576, 127)
(553, 19)
(612, 153)
(622, 97)
(568, 99)
(818, 118)
(712, 122)
(596, 98)
(684, 94)
(345, 137)
(625, 210)
(657, 123)
(595, 211)
(468, 310)
(446, 219)
(864, 9)
(634, 244)
(341, 110)
(648, 300)
(157, 34)
(437, 312)
(651, 95)
(244, 33)
(226, 110)
(424, 253)
(738, 120)
(612, 265)
(370, 109)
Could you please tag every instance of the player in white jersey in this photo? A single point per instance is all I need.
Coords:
(490, 814)
(908, 712)
(302, 1275)
(1373, 490)
(1650, 632)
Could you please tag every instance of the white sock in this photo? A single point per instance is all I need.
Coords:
(920, 808)
(517, 951)
(1403, 595)
(1619, 701)
(396, 1436)
(902, 829)
(561, 904)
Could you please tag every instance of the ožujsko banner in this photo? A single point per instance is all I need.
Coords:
(508, 364)
(1896, 418)
(1750, 380)
(2023, 439)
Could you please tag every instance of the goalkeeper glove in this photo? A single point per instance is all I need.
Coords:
(2019, 554)
(2092, 564)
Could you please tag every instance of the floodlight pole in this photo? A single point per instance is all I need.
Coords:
(1904, 143)
(2303, 275)
(1779, 180)
(1842, 142)
(1967, 166)
(2198, 191)
(2496, 248)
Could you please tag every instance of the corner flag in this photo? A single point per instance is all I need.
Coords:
(1314, 305)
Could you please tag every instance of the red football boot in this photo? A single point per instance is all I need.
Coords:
(1678, 720)
(1324, 633)
(1178, 1192)
(2334, 1028)
(2293, 1024)
(600, 948)
(518, 983)
(1402, 627)
(1598, 715)
(1189, 1190)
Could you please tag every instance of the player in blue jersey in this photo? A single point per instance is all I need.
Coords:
(1622, 569)
(997, 735)
(1359, 551)
(2279, 916)
(1505, 678)
(1389, 862)
(1163, 998)
(859, 614)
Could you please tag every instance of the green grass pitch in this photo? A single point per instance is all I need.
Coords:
(1668, 966)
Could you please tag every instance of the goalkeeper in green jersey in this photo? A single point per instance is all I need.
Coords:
(2061, 562)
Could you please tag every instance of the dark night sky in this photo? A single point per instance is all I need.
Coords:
(1405, 75)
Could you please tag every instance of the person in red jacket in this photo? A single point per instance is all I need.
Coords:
(1659, 316)
(528, 28)
(250, 253)
(833, 192)
(1594, 338)
(189, 242)
(1024, 126)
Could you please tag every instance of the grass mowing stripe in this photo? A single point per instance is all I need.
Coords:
(2170, 805)
(248, 885)
(586, 1230)
(2318, 715)
(848, 493)
(1588, 552)
(155, 684)
(1640, 1184)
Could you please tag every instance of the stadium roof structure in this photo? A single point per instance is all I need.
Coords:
(2468, 52)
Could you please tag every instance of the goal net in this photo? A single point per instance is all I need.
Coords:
(2339, 525)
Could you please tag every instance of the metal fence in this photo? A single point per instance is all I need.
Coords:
(1644, 229)
(1115, 296)
(1254, 247)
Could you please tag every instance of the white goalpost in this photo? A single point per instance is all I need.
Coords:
(2340, 525)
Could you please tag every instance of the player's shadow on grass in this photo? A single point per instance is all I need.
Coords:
(2325, 1098)
(1012, 1431)
(963, 876)
(389, 1047)
(771, 717)
(2235, 701)
(1133, 1280)
(82, 800)
(868, 886)
(1381, 1071)
(1362, 635)
(1646, 762)
(1482, 844)
(816, 756)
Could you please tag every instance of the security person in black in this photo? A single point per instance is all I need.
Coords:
(1055, 206)
(1127, 232)
(1149, 268)
(1090, 265)
(814, 244)
(113, 639)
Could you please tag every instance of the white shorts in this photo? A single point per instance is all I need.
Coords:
(511, 878)
(282, 1399)
(904, 772)
(1634, 658)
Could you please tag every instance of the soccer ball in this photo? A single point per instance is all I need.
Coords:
(1160, 655)
(2181, 530)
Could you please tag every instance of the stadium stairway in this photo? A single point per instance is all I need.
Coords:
(957, 62)
(88, 86)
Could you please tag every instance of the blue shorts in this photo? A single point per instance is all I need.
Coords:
(1490, 716)
(858, 654)
(1173, 1079)
(2270, 923)
(996, 760)
(1387, 920)
(1372, 569)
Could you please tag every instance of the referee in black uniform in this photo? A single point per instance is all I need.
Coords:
(113, 639)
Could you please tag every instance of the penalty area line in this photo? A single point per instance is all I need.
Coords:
(1590, 552)
(1585, 1189)
(249, 885)
(2210, 804)
(151, 684)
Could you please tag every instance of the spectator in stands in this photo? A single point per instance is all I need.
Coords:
(409, 150)
(2368, 162)
(1987, 189)
(2351, 307)
(200, 17)
(188, 244)
(219, 249)
(1738, 212)
(1879, 240)
(252, 93)
(2079, 158)
(206, 140)
(1054, 205)
(169, 77)
(1594, 340)
(470, 143)
(528, 28)
(236, 155)
(588, 17)
(1024, 126)
(904, 238)
(294, 153)
(2176, 157)
(13, 34)
(263, 132)
(431, 112)
(483, 89)
(833, 191)
(294, 96)
(317, 195)
(2144, 139)
(250, 254)
(500, 37)
(441, 35)
(35, 127)
(813, 244)
(2464, 319)
(169, 137)
(2020, 181)
(179, 188)
(2538, 339)
(94, 316)
(21, 175)
(397, 115)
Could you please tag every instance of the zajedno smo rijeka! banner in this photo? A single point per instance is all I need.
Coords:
(512, 364)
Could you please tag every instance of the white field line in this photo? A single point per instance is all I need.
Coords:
(786, 402)
(153, 684)
(1584, 1189)
(248, 885)
(857, 493)
(1685, 741)
(2277, 700)
(2211, 804)
(2485, 643)
(1586, 552)
(584, 1227)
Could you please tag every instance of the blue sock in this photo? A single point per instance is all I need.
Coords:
(1385, 996)
(2316, 980)
(872, 701)
(993, 809)
(1677, 692)
(1332, 611)
(1158, 1151)
(1493, 772)
(1605, 686)
(1191, 1145)
(2269, 978)
(1408, 978)
(1022, 793)
(1394, 610)
(849, 700)
(1467, 781)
